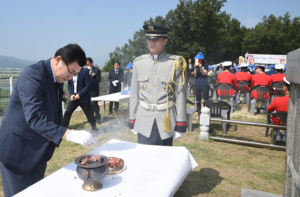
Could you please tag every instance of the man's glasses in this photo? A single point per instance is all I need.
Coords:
(74, 74)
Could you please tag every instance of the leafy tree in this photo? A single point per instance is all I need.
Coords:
(199, 25)
(96, 65)
(274, 35)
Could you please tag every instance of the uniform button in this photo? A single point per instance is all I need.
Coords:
(154, 73)
(154, 97)
(155, 109)
(167, 81)
(155, 62)
(154, 85)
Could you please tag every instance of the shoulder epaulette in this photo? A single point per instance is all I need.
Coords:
(141, 57)
(173, 57)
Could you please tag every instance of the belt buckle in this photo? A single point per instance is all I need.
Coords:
(153, 107)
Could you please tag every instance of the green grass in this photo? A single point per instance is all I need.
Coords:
(219, 173)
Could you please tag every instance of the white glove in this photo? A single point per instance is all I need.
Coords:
(114, 84)
(80, 137)
(116, 81)
(178, 135)
(134, 132)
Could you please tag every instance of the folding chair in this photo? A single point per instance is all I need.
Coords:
(212, 81)
(278, 89)
(243, 88)
(190, 112)
(219, 109)
(224, 90)
(262, 92)
(282, 116)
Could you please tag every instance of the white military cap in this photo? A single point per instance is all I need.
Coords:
(279, 66)
(242, 65)
(227, 63)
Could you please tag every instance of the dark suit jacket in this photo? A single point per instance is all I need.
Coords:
(83, 86)
(96, 79)
(112, 77)
(30, 127)
(189, 71)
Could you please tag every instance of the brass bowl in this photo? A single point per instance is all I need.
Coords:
(116, 170)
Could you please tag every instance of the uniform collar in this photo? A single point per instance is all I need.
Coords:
(226, 70)
(161, 55)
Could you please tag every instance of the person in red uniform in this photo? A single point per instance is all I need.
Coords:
(280, 104)
(227, 77)
(243, 76)
(260, 78)
(279, 76)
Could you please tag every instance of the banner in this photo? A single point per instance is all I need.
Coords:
(241, 60)
(265, 59)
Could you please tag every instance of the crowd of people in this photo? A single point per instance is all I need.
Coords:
(34, 125)
(204, 77)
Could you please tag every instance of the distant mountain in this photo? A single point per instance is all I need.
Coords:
(13, 62)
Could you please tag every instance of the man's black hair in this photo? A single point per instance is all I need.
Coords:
(244, 68)
(262, 68)
(72, 53)
(117, 62)
(287, 85)
(279, 70)
(89, 59)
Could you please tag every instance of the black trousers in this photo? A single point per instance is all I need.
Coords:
(204, 89)
(111, 91)
(14, 180)
(191, 81)
(87, 109)
(154, 138)
(111, 106)
(96, 109)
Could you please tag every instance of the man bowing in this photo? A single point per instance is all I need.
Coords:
(31, 128)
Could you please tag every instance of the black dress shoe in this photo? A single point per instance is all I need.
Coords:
(98, 120)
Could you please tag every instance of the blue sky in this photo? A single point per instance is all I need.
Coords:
(35, 29)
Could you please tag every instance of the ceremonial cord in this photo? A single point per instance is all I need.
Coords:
(182, 68)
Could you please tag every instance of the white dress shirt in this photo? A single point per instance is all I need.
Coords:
(75, 84)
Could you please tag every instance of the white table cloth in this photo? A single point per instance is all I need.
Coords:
(151, 171)
(115, 97)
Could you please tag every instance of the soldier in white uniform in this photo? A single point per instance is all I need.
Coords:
(158, 92)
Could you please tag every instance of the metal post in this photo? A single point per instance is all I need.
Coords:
(11, 85)
(251, 124)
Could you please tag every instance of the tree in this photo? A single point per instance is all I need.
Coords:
(274, 35)
(96, 65)
(199, 25)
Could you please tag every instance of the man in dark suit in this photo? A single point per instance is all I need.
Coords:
(31, 127)
(79, 91)
(190, 74)
(95, 74)
(115, 77)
